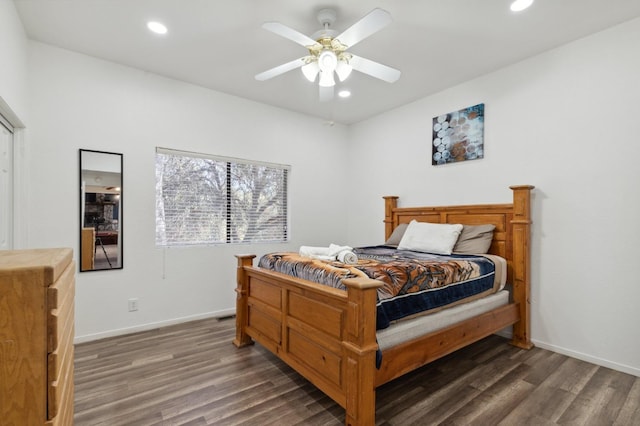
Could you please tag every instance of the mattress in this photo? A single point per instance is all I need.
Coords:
(408, 329)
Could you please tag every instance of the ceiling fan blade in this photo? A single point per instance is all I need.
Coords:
(374, 69)
(326, 93)
(372, 22)
(290, 33)
(281, 69)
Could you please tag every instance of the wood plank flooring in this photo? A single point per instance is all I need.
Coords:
(191, 374)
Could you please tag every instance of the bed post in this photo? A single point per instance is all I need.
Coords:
(242, 307)
(390, 203)
(521, 224)
(359, 347)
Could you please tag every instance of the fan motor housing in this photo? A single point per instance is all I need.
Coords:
(327, 17)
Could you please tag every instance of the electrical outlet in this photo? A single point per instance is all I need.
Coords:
(133, 304)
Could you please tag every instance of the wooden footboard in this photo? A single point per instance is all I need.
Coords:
(329, 335)
(325, 334)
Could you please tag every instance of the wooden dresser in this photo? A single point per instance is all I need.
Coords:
(36, 337)
(87, 260)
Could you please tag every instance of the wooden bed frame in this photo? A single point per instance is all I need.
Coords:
(329, 335)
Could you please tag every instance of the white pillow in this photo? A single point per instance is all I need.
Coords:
(430, 237)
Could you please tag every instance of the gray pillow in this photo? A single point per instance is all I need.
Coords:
(396, 235)
(474, 239)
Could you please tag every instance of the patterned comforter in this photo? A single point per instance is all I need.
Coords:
(414, 283)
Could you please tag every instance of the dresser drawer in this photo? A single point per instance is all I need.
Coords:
(64, 417)
(60, 374)
(60, 334)
(59, 362)
(60, 301)
(60, 389)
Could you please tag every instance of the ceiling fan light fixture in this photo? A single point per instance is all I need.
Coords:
(326, 78)
(327, 51)
(310, 71)
(328, 61)
(343, 69)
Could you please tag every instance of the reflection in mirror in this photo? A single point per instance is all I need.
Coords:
(100, 210)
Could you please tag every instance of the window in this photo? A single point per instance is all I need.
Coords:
(203, 199)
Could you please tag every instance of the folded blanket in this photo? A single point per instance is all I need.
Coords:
(342, 254)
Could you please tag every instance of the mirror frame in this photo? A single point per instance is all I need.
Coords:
(90, 242)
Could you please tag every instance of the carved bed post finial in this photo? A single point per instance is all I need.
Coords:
(390, 203)
(242, 306)
(521, 224)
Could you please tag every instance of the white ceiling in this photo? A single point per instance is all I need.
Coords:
(221, 45)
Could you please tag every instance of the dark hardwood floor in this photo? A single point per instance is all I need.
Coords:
(191, 374)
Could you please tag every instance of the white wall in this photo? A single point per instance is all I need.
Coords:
(567, 122)
(81, 102)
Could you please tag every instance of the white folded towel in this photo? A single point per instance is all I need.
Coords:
(309, 251)
(348, 257)
(334, 249)
(343, 254)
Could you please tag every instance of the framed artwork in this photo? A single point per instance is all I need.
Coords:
(458, 136)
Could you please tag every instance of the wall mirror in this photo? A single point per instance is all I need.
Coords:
(100, 210)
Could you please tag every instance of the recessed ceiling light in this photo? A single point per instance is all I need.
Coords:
(157, 27)
(344, 93)
(519, 5)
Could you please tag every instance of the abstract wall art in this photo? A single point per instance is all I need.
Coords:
(458, 136)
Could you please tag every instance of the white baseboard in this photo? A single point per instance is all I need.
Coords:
(507, 332)
(588, 358)
(151, 326)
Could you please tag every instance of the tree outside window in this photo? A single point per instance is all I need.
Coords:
(203, 199)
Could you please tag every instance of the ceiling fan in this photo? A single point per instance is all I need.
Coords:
(328, 51)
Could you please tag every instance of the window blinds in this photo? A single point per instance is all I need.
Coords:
(204, 199)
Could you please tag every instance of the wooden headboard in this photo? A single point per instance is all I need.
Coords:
(510, 239)
(503, 216)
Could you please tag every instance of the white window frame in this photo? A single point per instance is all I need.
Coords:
(6, 186)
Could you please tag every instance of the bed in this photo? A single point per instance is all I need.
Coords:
(328, 335)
